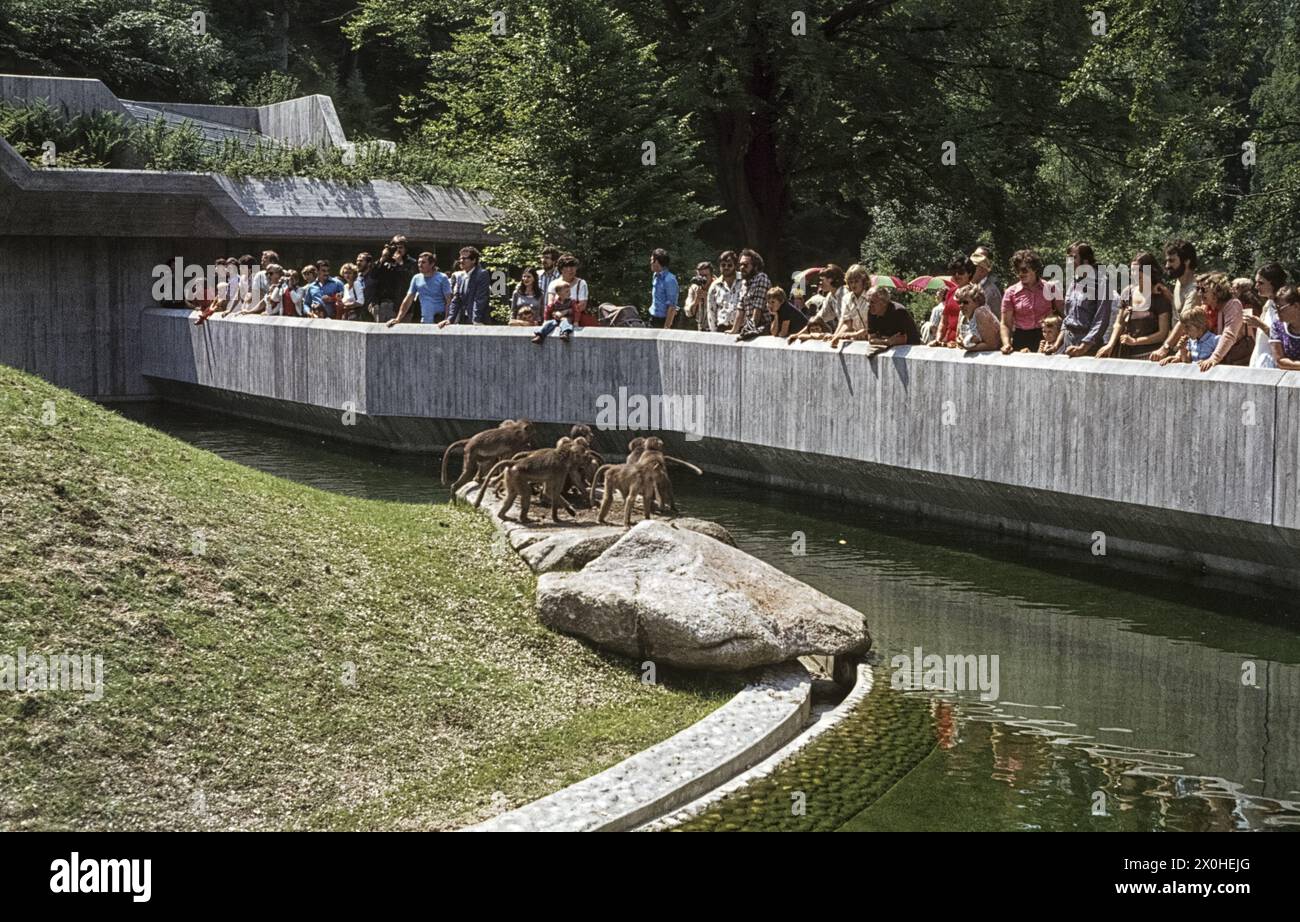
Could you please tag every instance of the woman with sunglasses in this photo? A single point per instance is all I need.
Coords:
(977, 330)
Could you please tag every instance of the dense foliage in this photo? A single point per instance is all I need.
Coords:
(106, 140)
(897, 131)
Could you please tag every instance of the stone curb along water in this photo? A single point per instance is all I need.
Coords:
(863, 682)
(759, 720)
(667, 592)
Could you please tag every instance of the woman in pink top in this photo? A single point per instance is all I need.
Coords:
(1234, 346)
(1026, 303)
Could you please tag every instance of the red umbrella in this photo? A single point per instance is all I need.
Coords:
(930, 282)
(887, 281)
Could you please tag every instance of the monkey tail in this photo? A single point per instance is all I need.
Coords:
(494, 476)
(595, 479)
(684, 464)
(482, 488)
(447, 455)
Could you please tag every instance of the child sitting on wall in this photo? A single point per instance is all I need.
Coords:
(1199, 342)
(559, 313)
(1051, 333)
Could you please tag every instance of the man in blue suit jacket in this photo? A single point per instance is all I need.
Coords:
(469, 291)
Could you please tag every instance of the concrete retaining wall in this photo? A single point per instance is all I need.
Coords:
(1172, 464)
(74, 95)
(305, 121)
(308, 120)
(143, 203)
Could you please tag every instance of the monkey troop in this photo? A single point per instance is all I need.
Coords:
(549, 468)
(566, 474)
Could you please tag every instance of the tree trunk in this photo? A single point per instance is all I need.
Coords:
(282, 42)
(754, 187)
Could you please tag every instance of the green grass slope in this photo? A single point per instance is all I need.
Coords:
(276, 656)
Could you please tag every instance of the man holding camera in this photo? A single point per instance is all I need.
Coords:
(697, 297)
(393, 279)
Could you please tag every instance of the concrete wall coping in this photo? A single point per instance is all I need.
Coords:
(1269, 377)
(303, 120)
(149, 203)
(761, 718)
(74, 95)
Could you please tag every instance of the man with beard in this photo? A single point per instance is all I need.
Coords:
(1180, 275)
(550, 271)
(751, 315)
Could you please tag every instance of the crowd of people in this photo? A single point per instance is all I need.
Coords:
(1167, 313)
(395, 288)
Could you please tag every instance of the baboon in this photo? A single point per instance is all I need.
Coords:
(584, 469)
(634, 449)
(653, 450)
(579, 477)
(643, 475)
(583, 431)
(633, 480)
(549, 467)
(486, 448)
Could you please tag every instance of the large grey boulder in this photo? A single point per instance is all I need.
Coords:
(679, 597)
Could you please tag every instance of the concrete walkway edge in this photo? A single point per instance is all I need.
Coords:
(759, 720)
(861, 688)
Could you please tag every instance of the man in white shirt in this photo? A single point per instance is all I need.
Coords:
(724, 295)
(260, 284)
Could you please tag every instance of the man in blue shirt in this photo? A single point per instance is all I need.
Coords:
(663, 291)
(433, 289)
(322, 297)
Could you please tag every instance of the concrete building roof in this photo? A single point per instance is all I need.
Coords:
(146, 203)
(214, 132)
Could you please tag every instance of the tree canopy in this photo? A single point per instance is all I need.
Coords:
(897, 131)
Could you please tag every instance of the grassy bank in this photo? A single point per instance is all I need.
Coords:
(276, 656)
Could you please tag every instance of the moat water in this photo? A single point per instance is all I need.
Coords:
(1126, 699)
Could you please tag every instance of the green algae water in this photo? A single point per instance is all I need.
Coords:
(1126, 699)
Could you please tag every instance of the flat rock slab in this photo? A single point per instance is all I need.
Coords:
(571, 545)
(675, 596)
(567, 548)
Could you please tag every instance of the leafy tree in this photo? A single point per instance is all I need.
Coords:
(572, 132)
(272, 87)
(1265, 226)
(142, 50)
